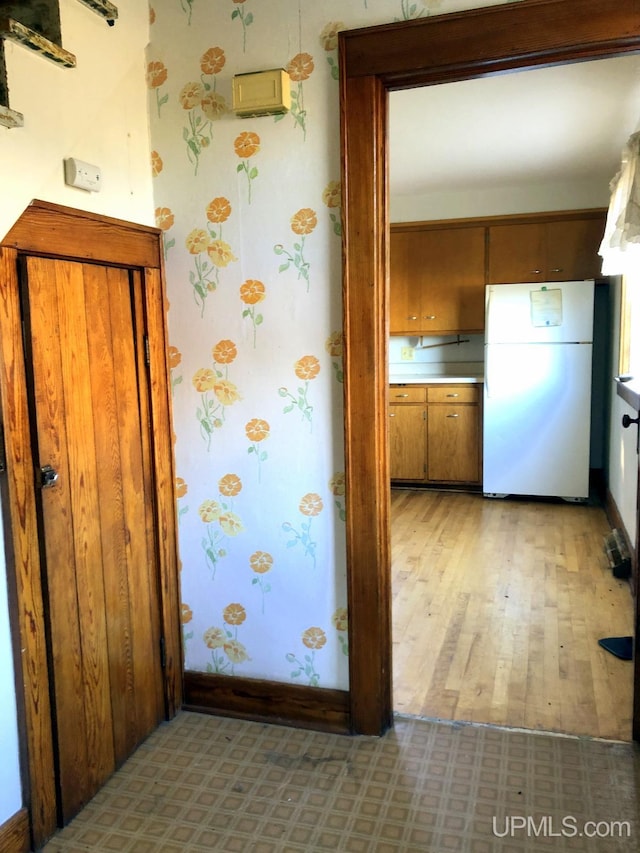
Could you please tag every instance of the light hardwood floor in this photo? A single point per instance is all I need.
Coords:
(497, 609)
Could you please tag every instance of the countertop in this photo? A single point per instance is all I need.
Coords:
(424, 378)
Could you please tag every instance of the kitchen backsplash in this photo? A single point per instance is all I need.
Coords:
(436, 355)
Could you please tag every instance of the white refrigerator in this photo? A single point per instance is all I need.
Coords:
(537, 391)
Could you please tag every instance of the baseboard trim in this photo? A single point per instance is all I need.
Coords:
(615, 520)
(268, 701)
(14, 833)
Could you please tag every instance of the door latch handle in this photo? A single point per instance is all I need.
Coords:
(627, 421)
(48, 476)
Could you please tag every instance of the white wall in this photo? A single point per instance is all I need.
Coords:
(98, 113)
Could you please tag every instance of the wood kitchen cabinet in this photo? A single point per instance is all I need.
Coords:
(437, 279)
(435, 433)
(559, 249)
(408, 432)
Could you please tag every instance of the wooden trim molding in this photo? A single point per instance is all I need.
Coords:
(374, 61)
(14, 833)
(267, 701)
(56, 231)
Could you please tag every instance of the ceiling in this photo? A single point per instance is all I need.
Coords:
(568, 122)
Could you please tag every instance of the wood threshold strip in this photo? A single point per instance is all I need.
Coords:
(267, 701)
(17, 32)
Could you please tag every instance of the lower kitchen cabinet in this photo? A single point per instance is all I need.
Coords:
(435, 433)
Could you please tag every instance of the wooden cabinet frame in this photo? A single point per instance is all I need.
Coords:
(59, 232)
(374, 61)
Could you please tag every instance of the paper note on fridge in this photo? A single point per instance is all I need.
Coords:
(546, 307)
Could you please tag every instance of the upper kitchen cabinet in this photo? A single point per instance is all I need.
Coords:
(437, 279)
(555, 247)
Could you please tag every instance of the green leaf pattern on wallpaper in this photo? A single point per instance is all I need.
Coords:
(217, 391)
(245, 18)
(306, 369)
(329, 41)
(310, 506)
(299, 69)
(203, 105)
(220, 520)
(333, 346)
(257, 430)
(165, 221)
(252, 292)
(181, 491)
(157, 75)
(211, 253)
(226, 648)
(302, 223)
(245, 145)
(261, 562)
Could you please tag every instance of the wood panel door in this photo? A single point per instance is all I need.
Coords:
(89, 400)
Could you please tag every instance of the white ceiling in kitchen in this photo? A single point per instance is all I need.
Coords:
(568, 122)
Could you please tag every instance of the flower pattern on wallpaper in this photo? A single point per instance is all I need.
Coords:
(181, 491)
(164, 221)
(175, 359)
(333, 346)
(257, 430)
(211, 253)
(261, 562)
(332, 197)
(340, 622)
(202, 104)
(314, 639)
(299, 69)
(252, 292)
(338, 488)
(245, 18)
(226, 649)
(157, 164)
(306, 369)
(245, 145)
(329, 41)
(221, 521)
(217, 391)
(310, 506)
(302, 223)
(186, 617)
(157, 75)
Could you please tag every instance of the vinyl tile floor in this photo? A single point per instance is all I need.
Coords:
(204, 783)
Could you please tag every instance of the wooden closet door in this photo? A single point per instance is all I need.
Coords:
(89, 398)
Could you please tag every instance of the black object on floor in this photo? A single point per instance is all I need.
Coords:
(621, 647)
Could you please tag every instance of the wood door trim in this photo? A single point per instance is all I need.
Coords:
(373, 62)
(56, 231)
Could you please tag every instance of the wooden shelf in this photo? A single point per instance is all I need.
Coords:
(19, 33)
(10, 118)
(103, 8)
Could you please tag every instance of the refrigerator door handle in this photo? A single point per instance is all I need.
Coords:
(487, 371)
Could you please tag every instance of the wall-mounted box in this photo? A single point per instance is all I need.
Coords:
(262, 93)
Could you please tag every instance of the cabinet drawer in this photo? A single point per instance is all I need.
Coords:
(407, 394)
(453, 394)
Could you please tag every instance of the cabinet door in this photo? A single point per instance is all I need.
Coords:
(405, 264)
(407, 441)
(517, 253)
(453, 443)
(454, 276)
(572, 249)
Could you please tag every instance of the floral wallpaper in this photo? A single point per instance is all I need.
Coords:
(250, 210)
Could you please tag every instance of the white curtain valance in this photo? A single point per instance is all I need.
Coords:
(620, 247)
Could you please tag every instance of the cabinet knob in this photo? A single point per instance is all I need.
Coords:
(402, 395)
(453, 395)
(536, 272)
(392, 414)
(556, 269)
(455, 415)
(412, 317)
(429, 317)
